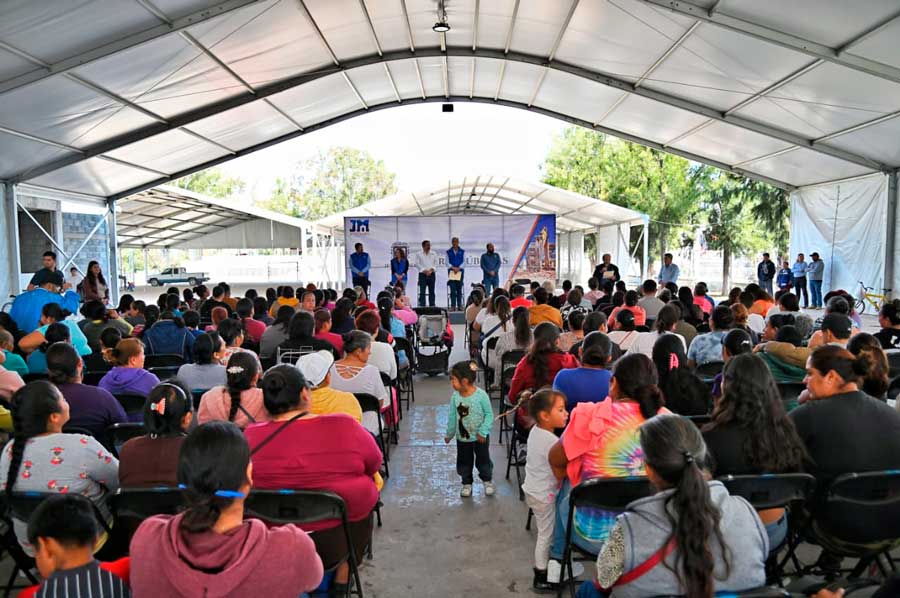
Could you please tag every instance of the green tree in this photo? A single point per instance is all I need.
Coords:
(665, 187)
(333, 181)
(211, 182)
(730, 203)
(772, 211)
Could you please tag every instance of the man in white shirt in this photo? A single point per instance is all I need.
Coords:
(426, 262)
(74, 278)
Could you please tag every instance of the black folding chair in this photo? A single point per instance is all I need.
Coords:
(405, 380)
(23, 504)
(708, 371)
(92, 378)
(609, 494)
(306, 506)
(790, 393)
(131, 403)
(859, 517)
(370, 404)
(893, 356)
(26, 378)
(130, 506)
(508, 363)
(119, 434)
(162, 360)
(165, 372)
(699, 420)
(774, 491)
(390, 386)
(518, 438)
(489, 373)
(22, 563)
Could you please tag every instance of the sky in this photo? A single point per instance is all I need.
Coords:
(420, 144)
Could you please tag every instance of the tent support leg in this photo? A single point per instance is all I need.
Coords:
(890, 238)
(645, 267)
(12, 234)
(113, 240)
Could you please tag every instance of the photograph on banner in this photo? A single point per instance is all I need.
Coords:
(526, 244)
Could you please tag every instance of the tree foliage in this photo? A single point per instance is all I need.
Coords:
(332, 181)
(211, 182)
(737, 215)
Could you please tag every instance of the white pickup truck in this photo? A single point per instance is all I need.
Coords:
(172, 275)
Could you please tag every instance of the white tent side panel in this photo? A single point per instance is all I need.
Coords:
(255, 234)
(846, 224)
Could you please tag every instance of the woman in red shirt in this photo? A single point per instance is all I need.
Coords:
(539, 367)
(303, 451)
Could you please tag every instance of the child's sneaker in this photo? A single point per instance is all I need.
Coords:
(466, 491)
(489, 488)
(540, 583)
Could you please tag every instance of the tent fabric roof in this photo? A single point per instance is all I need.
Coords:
(495, 195)
(168, 216)
(111, 97)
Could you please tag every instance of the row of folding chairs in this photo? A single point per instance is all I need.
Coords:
(861, 510)
(130, 506)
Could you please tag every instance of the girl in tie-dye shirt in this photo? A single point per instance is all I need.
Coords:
(602, 440)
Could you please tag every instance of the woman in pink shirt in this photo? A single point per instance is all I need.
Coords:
(254, 328)
(324, 333)
(299, 450)
(239, 401)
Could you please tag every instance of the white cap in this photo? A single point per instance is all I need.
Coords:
(315, 366)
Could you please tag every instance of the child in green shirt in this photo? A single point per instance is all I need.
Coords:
(469, 421)
(14, 362)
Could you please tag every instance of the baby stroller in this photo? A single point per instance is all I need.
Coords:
(431, 341)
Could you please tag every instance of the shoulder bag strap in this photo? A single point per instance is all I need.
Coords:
(268, 438)
(655, 559)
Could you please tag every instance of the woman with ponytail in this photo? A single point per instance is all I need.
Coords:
(691, 538)
(889, 320)
(684, 392)
(127, 375)
(304, 451)
(53, 313)
(867, 349)
(844, 429)
(601, 440)
(210, 549)
(151, 460)
(239, 401)
(542, 362)
(41, 458)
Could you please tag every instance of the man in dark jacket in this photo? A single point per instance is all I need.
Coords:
(765, 272)
(607, 270)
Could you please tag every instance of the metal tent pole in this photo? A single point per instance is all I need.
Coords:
(890, 239)
(113, 240)
(645, 269)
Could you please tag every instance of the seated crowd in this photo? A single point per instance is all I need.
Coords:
(231, 397)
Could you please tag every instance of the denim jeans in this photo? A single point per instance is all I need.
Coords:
(559, 531)
(777, 532)
(815, 290)
(800, 287)
(426, 282)
(490, 283)
(476, 454)
(766, 284)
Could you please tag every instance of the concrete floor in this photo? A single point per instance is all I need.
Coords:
(433, 542)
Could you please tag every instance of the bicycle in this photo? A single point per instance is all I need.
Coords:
(863, 295)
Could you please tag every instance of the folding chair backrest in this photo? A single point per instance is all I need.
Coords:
(771, 491)
(511, 358)
(402, 344)
(699, 420)
(295, 506)
(92, 378)
(862, 508)
(141, 503)
(610, 494)
(162, 360)
(164, 372)
(196, 395)
(119, 434)
(290, 356)
(131, 403)
(893, 356)
(709, 370)
(22, 505)
(368, 402)
(26, 378)
(893, 390)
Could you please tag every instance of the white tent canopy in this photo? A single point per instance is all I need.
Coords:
(109, 97)
(486, 194)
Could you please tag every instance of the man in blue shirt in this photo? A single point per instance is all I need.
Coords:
(798, 271)
(669, 271)
(490, 267)
(456, 259)
(359, 267)
(815, 272)
(26, 308)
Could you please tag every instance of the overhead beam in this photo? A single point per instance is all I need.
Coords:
(126, 43)
(783, 39)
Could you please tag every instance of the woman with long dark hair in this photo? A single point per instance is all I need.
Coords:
(94, 286)
(342, 316)
(496, 324)
(601, 440)
(696, 538)
(519, 338)
(206, 372)
(750, 432)
(542, 362)
(867, 348)
(684, 392)
(41, 458)
(276, 333)
(210, 548)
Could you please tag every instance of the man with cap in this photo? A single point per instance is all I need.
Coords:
(26, 308)
(815, 273)
(316, 368)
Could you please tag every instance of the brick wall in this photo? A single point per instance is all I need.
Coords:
(32, 242)
(76, 228)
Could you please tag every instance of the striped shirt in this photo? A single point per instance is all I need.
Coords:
(88, 581)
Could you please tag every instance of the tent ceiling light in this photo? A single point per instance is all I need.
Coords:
(441, 27)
